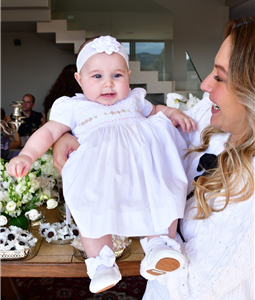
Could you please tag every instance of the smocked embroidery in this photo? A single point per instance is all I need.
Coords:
(87, 120)
(138, 110)
(117, 112)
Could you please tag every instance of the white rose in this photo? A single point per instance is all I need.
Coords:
(1, 205)
(3, 220)
(11, 206)
(32, 214)
(51, 203)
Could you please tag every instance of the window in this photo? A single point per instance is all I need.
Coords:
(150, 54)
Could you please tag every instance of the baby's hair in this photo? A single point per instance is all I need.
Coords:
(85, 43)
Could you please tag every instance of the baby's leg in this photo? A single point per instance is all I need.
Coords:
(101, 266)
(171, 231)
(93, 247)
(162, 254)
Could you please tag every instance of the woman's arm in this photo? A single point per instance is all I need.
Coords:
(64, 146)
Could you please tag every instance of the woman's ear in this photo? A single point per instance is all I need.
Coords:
(77, 76)
(129, 73)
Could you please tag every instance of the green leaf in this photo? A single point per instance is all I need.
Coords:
(20, 221)
(39, 173)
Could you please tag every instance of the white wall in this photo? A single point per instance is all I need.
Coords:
(245, 9)
(30, 68)
(198, 27)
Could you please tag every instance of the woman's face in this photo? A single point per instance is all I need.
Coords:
(227, 113)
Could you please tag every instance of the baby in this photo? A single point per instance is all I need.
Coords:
(127, 177)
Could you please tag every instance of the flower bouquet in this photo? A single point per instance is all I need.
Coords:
(19, 197)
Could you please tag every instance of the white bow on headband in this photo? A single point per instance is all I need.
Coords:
(102, 44)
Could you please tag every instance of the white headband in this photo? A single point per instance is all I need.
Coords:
(102, 44)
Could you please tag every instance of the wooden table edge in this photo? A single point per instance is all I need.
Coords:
(62, 270)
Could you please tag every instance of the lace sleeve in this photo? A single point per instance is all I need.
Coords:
(219, 255)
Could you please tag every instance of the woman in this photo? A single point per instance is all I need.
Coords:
(219, 231)
(65, 85)
(218, 226)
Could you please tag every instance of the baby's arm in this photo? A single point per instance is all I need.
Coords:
(37, 144)
(176, 116)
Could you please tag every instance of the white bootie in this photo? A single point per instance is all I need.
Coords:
(103, 271)
(162, 255)
(104, 279)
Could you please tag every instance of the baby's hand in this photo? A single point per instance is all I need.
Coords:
(19, 166)
(179, 118)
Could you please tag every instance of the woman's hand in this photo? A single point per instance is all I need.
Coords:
(62, 148)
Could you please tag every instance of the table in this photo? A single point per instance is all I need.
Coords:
(53, 260)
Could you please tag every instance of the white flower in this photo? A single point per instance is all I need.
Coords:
(6, 185)
(32, 176)
(35, 185)
(36, 165)
(4, 196)
(51, 203)
(105, 44)
(11, 206)
(45, 194)
(1, 205)
(175, 100)
(192, 101)
(3, 220)
(21, 187)
(27, 197)
(32, 214)
(46, 157)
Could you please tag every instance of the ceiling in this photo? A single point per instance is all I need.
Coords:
(126, 20)
(123, 19)
(106, 6)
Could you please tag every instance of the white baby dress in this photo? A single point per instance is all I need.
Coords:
(127, 177)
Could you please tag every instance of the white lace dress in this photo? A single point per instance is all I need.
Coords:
(219, 250)
(127, 177)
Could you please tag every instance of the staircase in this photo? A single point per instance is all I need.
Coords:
(38, 11)
(25, 11)
(62, 35)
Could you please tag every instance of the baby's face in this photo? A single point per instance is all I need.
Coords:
(104, 78)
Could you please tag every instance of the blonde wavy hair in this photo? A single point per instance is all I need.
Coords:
(233, 179)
